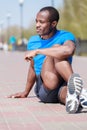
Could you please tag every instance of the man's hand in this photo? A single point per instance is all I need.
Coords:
(19, 95)
(30, 54)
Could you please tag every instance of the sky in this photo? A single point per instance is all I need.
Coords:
(12, 9)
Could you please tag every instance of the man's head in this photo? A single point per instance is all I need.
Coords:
(53, 13)
(46, 21)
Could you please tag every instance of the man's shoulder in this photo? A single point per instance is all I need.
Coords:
(65, 35)
(32, 42)
(34, 38)
(65, 32)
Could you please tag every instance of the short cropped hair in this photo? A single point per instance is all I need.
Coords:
(54, 14)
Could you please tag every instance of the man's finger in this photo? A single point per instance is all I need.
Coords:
(14, 96)
(28, 58)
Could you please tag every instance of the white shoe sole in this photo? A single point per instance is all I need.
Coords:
(83, 99)
(83, 103)
(74, 87)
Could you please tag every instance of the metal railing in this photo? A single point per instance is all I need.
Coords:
(81, 48)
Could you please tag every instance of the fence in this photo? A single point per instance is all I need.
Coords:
(81, 47)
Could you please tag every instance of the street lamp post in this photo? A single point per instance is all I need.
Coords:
(21, 2)
(8, 26)
(1, 31)
(52, 3)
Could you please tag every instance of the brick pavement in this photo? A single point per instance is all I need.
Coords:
(30, 113)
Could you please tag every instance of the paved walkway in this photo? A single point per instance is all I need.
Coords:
(30, 113)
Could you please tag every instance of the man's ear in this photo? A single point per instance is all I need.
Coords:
(54, 24)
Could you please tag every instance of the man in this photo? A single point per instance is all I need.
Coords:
(50, 55)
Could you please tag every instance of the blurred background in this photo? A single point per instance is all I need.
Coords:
(17, 21)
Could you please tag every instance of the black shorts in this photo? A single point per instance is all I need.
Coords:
(45, 95)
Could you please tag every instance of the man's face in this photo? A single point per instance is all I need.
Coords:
(43, 25)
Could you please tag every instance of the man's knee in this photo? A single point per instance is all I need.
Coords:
(60, 64)
(56, 45)
(50, 80)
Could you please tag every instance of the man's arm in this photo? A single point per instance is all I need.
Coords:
(58, 51)
(31, 77)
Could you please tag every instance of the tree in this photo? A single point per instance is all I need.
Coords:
(74, 17)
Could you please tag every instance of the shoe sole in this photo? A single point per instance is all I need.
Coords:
(75, 82)
(83, 103)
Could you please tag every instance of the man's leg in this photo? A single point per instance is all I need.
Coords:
(74, 86)
(51, 78)
(64, 68)
(52, 73)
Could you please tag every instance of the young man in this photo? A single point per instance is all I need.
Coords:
(50, 55)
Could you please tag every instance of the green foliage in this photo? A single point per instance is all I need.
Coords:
(29, 32)
(15, 31)
(74, 17)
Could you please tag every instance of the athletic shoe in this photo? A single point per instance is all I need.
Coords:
(83, 98)
(74, 88)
